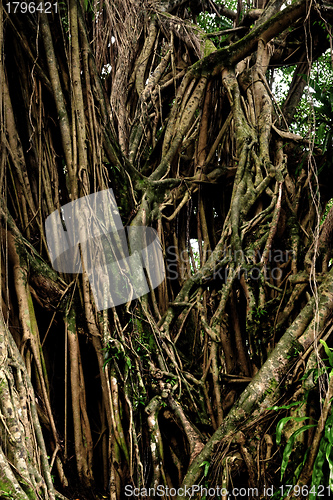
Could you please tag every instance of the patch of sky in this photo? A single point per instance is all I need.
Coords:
(106, 70)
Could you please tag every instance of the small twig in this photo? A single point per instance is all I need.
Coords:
(224, 32)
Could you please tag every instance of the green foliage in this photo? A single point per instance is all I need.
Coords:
(196, 255)
(281, 424)
(327, 209)
(289, 448)
(291, 441)
(290, 444)
(210, 22)
(89, 8)
(294, 352)
(206, 465)
(286, 407)
(328, 351)
(281, 81)
(139, 400)
(145, 339)
(64, 15)
(116, 352)
(315, 110)
(259, 313)
(323, 99)
(325, 453)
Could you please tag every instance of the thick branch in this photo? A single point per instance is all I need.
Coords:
(231, 55)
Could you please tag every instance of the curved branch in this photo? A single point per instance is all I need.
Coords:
(231, 55)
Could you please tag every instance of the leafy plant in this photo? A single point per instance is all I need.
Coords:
(206, 465)
(290, 445)
(325, 452)
(327, 209)
(259, 313)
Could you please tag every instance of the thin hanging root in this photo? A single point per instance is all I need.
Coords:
(156, 446)
(194, 439)
(82, 433)
(20, 275)
(248, 459)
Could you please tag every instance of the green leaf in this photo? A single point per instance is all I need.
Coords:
(329, 429)
(330, 480)
(299, 469)
(206, 464)
(317, 473)
(290, 445)
(329, 455)
(128, 362)
(281, 423)
(106, 362)
(328, 352)
(286, 407)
